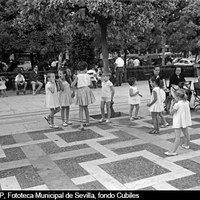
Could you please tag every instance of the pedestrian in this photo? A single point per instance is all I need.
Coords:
(119, 68)
(3, 86)
(52, 101)
(133, 98)
(180, 110)
(65, 97)
(84, 95)
(34, 80)
(156, 104)
(107, 95)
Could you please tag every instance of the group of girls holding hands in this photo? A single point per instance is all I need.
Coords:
(60, 94)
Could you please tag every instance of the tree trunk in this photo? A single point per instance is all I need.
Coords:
(104, 44)
(163, 49)
(125, 70)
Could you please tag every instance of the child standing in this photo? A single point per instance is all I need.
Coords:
(84, 95)
(180, 109)
(65, 97)
(156, 104)
(106, 97)
(3, 86)
(133, 98)
(52, 101)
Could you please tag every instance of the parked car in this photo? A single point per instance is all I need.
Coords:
(186, 62)
(26, 65)
(175, 60)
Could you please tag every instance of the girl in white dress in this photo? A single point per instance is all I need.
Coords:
(65, 97)
(180, 109)
(156, 105)
(3, 86)
(84, 95)
(52, 101)
(133, 98)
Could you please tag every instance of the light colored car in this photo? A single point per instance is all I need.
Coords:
(25, 66)
(186, 62)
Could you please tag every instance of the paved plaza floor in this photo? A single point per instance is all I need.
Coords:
(115, 156)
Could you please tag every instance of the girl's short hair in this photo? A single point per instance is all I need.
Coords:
(156, 80)
(82, 65)
(49, 75)
(131, 81)
(181, 94)
(67, 77)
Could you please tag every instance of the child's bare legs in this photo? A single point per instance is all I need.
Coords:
(67, 114)
(163, 120)
(187, 136)
(52, 116)
(108, 110)
(63, 114)
(81, 116)
(102, 110)
(137, 107)
(131, 111)
(155, 120)
(87, 114)
(177, 139)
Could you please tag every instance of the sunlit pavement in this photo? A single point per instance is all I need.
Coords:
(115, 156)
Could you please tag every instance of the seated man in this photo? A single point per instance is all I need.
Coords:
(20, 83)
(34, 80)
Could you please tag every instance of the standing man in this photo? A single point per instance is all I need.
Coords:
(34, 79)
(119, 68)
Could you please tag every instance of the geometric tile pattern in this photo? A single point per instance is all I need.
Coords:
(115, 156)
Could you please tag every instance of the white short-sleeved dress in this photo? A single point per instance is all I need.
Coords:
(2, 85)
(158, 105)
(65, 96)
(52, 100)
(182, 118)
(135, 99)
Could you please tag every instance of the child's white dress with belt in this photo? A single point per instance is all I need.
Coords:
(52, 100)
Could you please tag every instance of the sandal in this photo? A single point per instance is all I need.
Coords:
(81, 128)
(154, 131)
(164, 125)
(102, 120)
(135, 118)
(185, 146)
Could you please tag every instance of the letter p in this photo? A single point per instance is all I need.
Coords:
(1, 194)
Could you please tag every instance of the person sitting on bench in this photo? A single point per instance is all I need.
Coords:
(20, 83)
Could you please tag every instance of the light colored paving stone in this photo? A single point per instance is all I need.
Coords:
(10, 183)
(2, 154)
(83, 179)
(39, 187)
(22, 138)
(197, 141)
(164, 186)
(14, 164)
(71, 154)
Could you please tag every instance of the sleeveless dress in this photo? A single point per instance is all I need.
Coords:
(65, 96)
(135, 99)
(52, 100)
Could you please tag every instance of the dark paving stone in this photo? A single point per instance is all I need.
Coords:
(104, 126)
(117, 114)
(13, 154)
(133, 169)
(71, 167)
(148, 188)
(94, 185)
(186, 182)
(6, 140)
(196, 119)
(37, 136)
(195, 126)
(190, 164)
(149, 147)
(79, 135)
(26, 176)
(168, 119)
(45, 131)
(51, 147)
